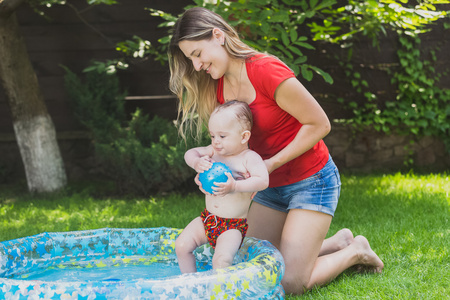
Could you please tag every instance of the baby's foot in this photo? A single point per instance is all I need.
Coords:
(366, 256)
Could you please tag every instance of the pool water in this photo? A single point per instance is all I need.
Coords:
(120, 273)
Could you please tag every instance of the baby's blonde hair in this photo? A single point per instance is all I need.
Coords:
(241, 110)
(197, 91)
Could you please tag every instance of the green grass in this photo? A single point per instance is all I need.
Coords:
(405, 218)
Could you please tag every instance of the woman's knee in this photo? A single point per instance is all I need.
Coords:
(295, 284)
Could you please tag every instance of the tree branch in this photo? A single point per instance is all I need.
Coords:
(79, 12)
(7, 7)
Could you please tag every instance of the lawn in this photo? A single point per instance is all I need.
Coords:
(405, 217)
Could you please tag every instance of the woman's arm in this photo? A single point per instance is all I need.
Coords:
(295, 99)
(257, 179)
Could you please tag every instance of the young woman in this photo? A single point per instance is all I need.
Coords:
(210, 65)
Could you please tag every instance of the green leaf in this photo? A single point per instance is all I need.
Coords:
(265, 27)
(429, 114)
(300, 60)
(284, 38)
(310, 14)
(305, 45)
(96, 2)
(165, 39)
(327, 77)
(296, 69)
(295, 50)
(307, 74)
(285, 51)
(326, 3)
(313, 3)
(294, 35)
(422, 123)
(280, 17)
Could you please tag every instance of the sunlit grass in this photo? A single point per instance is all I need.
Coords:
(405, 218)
(25, 215)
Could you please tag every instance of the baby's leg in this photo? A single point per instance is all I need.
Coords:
(192, 237)
(227, 246)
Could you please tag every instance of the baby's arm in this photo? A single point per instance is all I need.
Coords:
(259, 176)
(199, 158)
(258, 180)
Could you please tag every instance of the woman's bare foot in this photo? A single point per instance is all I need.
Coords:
(345, 237)
(368, 260)
(339, 241)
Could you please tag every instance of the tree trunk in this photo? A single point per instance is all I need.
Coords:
(34, 129)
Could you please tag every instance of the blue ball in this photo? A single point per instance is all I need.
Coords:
(215, 174)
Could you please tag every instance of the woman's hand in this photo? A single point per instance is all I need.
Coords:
(242, 176)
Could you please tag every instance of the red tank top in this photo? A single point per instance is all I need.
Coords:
(273, 128)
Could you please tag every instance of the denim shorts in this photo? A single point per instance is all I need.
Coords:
(319, 192)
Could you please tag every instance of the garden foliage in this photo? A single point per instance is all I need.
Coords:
(142, 155)
(291, 28)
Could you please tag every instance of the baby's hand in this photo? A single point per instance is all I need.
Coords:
(203, 164)
(197, 181)
(224, 188)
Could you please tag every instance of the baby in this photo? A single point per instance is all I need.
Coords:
(223, 223)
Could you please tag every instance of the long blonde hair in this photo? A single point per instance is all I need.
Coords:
(196, 91)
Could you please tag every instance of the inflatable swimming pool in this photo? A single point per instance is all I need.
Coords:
(115, 263)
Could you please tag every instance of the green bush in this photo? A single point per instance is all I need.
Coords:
(97, 103)
(145, 157)
(142, 156)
